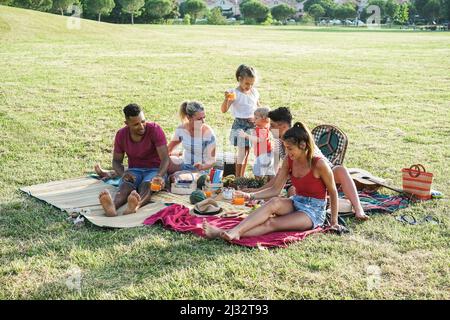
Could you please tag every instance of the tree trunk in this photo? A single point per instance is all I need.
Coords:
(99, 17)
(132, 18)
(62, 11)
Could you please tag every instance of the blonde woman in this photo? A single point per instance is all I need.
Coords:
(197, 139)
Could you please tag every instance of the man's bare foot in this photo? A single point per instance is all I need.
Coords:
(230, 235)
(211, 232)
(104, 174)
(107, 203)
(360, 215)
(133, 201)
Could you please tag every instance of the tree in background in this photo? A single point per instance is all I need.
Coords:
(61, 5)
(445, 9)
(402, 15)
(41, 5)
(194, 8)
(269, 20)
(132, 7)
(215, 17)
(306, 19)
(187, 19)
(388, 9)
(174, 12)
(431, 10)
(391, 8)
(327, 5)
(157, 9)
(254, 9)
(117, 15)
(345, 11)
(100, 7)
(317, 11)
(282, 12)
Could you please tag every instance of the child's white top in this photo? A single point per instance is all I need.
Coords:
(244, 105)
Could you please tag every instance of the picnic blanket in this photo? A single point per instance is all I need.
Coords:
(80, 195)
(177, 217)
(112, 181)
(375, 202)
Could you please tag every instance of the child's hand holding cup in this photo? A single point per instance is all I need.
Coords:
(230, 95)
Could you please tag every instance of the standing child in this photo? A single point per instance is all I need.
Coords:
(243, 100)
(260, 138)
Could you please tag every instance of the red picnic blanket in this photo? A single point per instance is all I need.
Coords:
(178, 218)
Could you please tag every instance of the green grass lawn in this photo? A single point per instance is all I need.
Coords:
(61, 98)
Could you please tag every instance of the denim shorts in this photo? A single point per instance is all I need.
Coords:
(141, 175)
(241, 124)
(314, 208)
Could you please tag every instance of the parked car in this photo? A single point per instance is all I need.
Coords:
(358, 23)
(336, 22)
(348, 22)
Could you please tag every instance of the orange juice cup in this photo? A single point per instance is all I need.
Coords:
(155, 186)
(239, 201)
(231, 95)
(208, 193)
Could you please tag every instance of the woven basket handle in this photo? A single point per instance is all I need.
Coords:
(416, 167)
(179, 173)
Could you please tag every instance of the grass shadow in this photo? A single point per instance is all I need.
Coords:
(41, 239)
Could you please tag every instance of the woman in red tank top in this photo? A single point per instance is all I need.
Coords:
(312, 178)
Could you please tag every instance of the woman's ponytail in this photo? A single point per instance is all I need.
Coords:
(189, 108)
(299, 134)
(183, 111)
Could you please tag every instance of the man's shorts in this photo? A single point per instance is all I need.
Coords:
(141, 175)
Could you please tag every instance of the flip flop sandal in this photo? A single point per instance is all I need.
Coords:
(342, 221)
(342, 230)
(431, 219)
(407, 218)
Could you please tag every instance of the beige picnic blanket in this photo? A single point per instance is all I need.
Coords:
(81, 195)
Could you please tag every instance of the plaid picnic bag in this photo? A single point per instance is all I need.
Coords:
(417, 181)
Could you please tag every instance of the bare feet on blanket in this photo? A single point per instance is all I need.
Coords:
(211, 232)
(107, 203)
(104, 174)
(360, 215)
(133, 202)
(230, 235)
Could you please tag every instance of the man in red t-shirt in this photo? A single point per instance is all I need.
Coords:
(145, 145)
